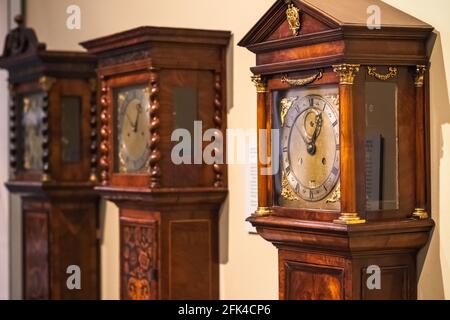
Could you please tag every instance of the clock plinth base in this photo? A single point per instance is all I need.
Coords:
(349, 218)
(328, 261)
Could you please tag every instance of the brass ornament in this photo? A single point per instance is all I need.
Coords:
(263, 212)
(335, 196)
(347, 72)
(420, 214)
(46, 83)
(286, 104)
(302, 82)
(349, 218)
(293, 17)
(372, 71)
(287, 192)
(420, 76)
(259, 84)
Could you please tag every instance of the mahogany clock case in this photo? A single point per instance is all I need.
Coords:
(53, 163)
(327, 244)
(168, 213)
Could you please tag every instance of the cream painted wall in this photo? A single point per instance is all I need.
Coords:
(249, 264)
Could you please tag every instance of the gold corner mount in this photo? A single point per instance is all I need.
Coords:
(349, 218)
(392, 72)
(335, 196)
(286, 104)
(263, 212)
(259, 83)
(420, 214)
(286, 192)
(293, 17)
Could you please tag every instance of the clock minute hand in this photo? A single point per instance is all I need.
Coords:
(135, 127)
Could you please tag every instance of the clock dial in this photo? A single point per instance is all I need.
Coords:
(32, 128)
(311, 146)
(133, 129)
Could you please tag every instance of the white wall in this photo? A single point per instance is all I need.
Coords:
(249, 264)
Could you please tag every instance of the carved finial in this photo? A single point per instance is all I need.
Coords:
(19, 20)
(293, 17)
(21, 40)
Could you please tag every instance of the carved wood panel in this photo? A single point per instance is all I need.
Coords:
(139, 243)
(36, 269)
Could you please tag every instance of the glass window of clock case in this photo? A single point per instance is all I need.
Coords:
(71, 129)
(132, 128)
(32, 126)
(381, 146)
(308, 120)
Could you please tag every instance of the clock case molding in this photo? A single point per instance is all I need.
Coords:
(175, 207)
(325, 254)
(59, 206)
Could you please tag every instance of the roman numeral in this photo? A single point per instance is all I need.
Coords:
(338, 147)
(335, 123)
(335, 171)
(311, 102)
(311, 194)
(285, 149)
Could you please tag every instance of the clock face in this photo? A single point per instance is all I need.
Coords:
(133, 129)
(32, 129)
(310, 145)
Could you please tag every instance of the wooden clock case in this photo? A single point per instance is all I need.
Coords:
(59, 206)
(326, 254)
(169, 213)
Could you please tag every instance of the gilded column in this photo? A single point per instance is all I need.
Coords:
(420, 210)
(263, 201)
(349, 188)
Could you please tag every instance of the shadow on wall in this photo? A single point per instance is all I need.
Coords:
(429, 260)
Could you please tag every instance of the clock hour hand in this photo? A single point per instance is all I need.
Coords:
(311, 147)
(129, 119)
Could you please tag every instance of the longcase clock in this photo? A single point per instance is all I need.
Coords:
(53, 140)
(154, 81)
(349, 103)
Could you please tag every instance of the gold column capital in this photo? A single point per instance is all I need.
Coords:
(46, 83)
(260, 84)
(347, 72)
(420, 75)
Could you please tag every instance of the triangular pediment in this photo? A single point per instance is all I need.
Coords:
(274, 25)
(319, 17)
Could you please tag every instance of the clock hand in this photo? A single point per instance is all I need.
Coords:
(311, 147)
(135, 127)
(129, 119)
